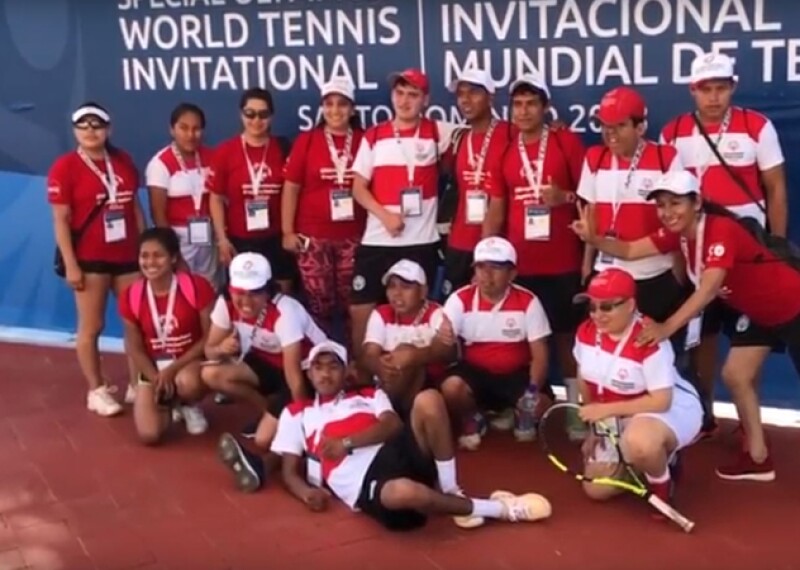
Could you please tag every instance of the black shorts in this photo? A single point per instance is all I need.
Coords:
(494, 392)
(720, 318)
(556, 293)
(660, 296)
(458, 270)
(373, 261)
(284, 266)
(399, 458)
(790, 336)
(271, 384)
(108, 267)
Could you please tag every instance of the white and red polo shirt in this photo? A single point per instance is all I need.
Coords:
(497, 338)
(384, 160)
(183, 186)
(303, 425)
(750, 146)
(620, 200)
(285, 323)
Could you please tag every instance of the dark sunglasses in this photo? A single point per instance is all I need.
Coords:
(605, 306)
(253, 114)
(93, 125)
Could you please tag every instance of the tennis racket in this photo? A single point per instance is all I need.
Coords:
(558, 429)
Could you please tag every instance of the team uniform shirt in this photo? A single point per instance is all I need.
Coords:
(71, 182)
(621, 205)
(325, 205)
(765, 290)
(497, 338)
(254, 206)
(303, 425)
(559, 251)
(389, 330)
(181, 331)
(285, 323)
(477, 182)
(386, 161)
(187, 195)
(749, 145)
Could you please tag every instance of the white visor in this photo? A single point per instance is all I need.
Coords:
(90, 110)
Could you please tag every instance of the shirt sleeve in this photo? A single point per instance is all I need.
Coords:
(156, 174)
(575, 159)
(217, 179)
(289, 438)
(537, 326)
(376, 330)
(445, 131)
(436, 319)
(720, 244)
(289, 327)
(665, 240)
(204, 292)
(295, 167)
(768, 148)
(658, 368)
(676, 164)
(124, 306)
(59, 189)
(382, 403)
(363, 164)
(220, 316)
(586, 183)
(454, 310)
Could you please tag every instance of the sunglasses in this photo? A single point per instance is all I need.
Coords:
(253, 114)
(90, 125)
(605, 306)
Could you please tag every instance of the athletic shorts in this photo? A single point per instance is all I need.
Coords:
(557, 293)
(720, 318)
(108, 267)
(271, 384)
(284, 266)
(494, 392)
(373, 261)
(458, 270)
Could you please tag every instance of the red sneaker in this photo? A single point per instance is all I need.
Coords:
(743, 468)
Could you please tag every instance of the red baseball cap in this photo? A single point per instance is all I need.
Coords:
(611, 283)
(413, 77)
(621, 104)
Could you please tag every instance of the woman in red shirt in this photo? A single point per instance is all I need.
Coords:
(178, 196)
(723, 260)
(322, 224)
(96, 220)
(166, 315)
(245, 181)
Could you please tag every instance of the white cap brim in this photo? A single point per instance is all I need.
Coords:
(89, 111)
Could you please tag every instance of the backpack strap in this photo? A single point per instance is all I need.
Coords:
(187, 288)
(135, 296)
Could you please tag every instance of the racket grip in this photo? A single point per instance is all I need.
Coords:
(669, 512)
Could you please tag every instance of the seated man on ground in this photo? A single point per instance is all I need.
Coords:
(353, 445)
(503, 362)
(398, 336)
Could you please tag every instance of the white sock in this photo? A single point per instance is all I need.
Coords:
(487, 508)
(447, 475)
(663, 478)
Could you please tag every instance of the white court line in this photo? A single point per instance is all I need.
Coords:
(781, 417)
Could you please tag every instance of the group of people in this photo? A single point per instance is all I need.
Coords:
(264, 252)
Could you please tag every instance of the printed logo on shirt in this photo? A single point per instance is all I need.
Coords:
(716, 251)
(732, 153)
(512, 329)
(359, 283)
(647, 187)
(168, 327)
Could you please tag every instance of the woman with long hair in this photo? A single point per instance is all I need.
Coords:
(97, 218)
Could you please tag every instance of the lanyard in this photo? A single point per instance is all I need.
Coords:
(694, 274)
(256, 175)
(726, 123)
(109, 179)
(616, 202)
(162, 327)
(615, 355)
(418, 319)
(197, 190)
(495, 308)
(476, 164)
(340, 161)
(257, 325)
(411, 163)
(534, 179)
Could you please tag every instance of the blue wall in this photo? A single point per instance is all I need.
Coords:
(55, 54)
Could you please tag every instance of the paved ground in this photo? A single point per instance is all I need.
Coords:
(78, 493)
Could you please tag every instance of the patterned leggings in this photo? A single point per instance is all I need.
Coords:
(326, 270)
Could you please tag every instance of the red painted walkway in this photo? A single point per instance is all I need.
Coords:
(77, 493)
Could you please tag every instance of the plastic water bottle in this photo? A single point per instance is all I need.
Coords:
(525, 415)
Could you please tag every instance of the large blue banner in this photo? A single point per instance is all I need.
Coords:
(141, 57)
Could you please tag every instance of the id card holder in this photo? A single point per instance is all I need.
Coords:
(342, 205)
(114, 224)
(411, 202)
(537, 223)
(604, 257)
(607, 427)
(476, 206)
(257, 215)
(694, 332)
(200, 230)
(313, 471)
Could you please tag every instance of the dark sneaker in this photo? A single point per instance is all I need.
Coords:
(247, 467)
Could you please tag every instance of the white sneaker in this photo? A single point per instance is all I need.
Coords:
(196, 422)
(101, 402)
(469, 442)
(466, 521)
(504, 421)
(130, 394)
(529, 507)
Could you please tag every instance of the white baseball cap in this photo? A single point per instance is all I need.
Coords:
(339, 86)
(712, 66)
(250, 272)
(678, 182)
(474, 76)
(495, 250)
(535, 80)
(406, 270)
(328, 347)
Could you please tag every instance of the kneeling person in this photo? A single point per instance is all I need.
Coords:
(354, 445)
